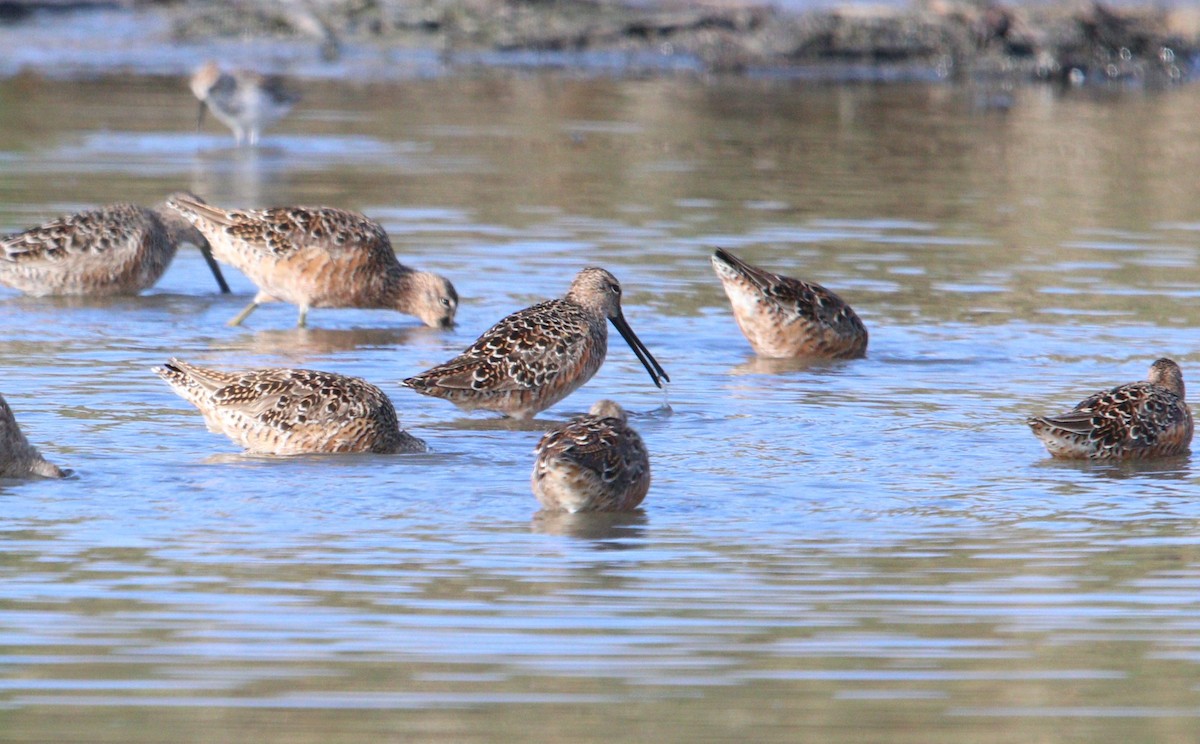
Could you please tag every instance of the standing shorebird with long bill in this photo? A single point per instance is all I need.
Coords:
(319, 257)
(1136, 421)
(535, 357)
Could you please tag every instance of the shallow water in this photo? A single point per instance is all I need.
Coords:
(875, 550)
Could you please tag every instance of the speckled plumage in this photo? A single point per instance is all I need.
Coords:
(535, 357)
(119, 249)
(1136, 421)
(596, 462)
(292, 411)
(319, 257)
(19, 458)
(785, 317)
(243, 100)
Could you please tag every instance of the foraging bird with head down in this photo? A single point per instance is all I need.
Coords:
(292, 411)
(119, 249)
(783, 317)
(319, 257)
(535, 357)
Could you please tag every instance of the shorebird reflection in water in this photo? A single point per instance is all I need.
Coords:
(594, 463)
(242, 100)
(783, 317)
(119, 249)
(535, 357)
(319, 257)
(19, 458)
(292, 411)
(1139, 420)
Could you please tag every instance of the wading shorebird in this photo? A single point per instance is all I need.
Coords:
(292, 411)
(19, 458)
(319, 257)
(118, 249)
(1136, 421)
(594, 463)
(242, 100)
(785, 317)
(535, 357)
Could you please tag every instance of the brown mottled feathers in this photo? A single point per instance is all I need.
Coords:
(319, 257)
(280, 231)
(785, 317)
(1134, 421)
(535, 357)
(596, 462)
(292, 411)
(527, 350)
(116, 249)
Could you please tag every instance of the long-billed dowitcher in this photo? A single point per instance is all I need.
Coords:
(596, 462)
(19, 458)
(111, 250)
(319, 257)
(292, 411)
(535, 357)
(1136, 421)
(785, 317)
(242, 100)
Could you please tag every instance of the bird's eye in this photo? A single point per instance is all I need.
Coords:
(445, 302)
(614, 288)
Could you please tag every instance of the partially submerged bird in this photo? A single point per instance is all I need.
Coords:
(594, 463)
(19, 458)
(319, 257)
(1136, 421)
(785, 317)
(535, 357)
(242, 100)
(118, 249)
(292, 411)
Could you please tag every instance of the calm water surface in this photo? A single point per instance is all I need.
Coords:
(875, 550)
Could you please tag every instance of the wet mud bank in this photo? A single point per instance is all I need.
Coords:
(1068, 41)
(1073, 42)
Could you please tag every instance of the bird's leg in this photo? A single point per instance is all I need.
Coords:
(244, 313)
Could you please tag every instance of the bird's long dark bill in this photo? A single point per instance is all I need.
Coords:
(214, 267)
(200, 116)
(657, 373)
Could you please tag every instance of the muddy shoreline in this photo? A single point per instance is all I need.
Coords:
(1071, 42)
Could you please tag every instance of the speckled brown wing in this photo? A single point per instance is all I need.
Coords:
(282, 231)
(1139, 419)
(112, 250)
(604, 446)
(528, 350)
(785, 317)
(592, 464)
(287, 398)
(802, 301)
(94, 232)
(290, 411)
